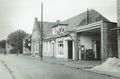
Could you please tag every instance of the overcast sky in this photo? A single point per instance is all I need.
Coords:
(20, 14)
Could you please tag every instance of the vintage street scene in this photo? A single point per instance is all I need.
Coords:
(60, 39)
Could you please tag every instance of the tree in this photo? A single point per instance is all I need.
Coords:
(15, 39)
(2, 45)
(28, 43)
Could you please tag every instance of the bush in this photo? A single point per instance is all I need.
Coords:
(13, 51)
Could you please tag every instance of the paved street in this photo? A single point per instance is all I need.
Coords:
(30, 68)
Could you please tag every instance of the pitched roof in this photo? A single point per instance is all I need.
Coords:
(81, 19)
(73, 22)
(47, 28)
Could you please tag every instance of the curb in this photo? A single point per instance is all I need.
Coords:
(101, 73)
(84, 69)
(9, 70)
(67, 65)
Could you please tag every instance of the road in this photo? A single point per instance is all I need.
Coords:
(22, 67)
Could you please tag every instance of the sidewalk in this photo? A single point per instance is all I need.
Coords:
(4, 72)
(81, 64)
(85, 65)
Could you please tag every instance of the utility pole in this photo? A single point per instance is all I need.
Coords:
(41, 30)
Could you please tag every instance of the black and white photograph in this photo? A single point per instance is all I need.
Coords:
(59, 39)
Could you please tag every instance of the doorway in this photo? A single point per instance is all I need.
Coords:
(98, 47)
(70, 50)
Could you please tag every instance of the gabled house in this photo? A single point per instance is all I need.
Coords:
(36, 35)
(86, 36)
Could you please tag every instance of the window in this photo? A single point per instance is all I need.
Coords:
(37, 46)
(60, 48)
(33, 46)
(54, 31)
(45, 47)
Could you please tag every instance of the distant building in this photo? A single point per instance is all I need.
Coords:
(86, 36)
(9, 48)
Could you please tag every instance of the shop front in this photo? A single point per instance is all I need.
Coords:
(95, 41)
(64, 48)
(89, 45)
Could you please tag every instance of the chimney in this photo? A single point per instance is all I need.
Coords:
(58, 21)
(36, 19)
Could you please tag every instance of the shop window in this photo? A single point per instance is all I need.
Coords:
(54, 31)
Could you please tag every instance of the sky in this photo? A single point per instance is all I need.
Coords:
(20, 14)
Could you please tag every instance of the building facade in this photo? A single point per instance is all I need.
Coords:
(87, 36)
(36, 35)
(98, 38)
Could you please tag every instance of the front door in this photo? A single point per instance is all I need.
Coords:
(70, 50)
(98, 50)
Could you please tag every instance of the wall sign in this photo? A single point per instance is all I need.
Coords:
(60, 30)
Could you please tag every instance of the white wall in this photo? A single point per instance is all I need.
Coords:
(35, 43)
(65, 47)
(86, 40)
(47, 48)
